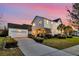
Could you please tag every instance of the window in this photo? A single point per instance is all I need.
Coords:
(33, 24)
(40, 22)
(47, 22)
(51, 22)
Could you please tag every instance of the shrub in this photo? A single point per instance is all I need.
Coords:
(48, 36)
(69, 36)
(30, 36)
(10, 43)
(56, 36)
(38, 39)
(60, 36)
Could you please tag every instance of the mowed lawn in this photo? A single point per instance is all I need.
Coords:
(61, 43)
(10, 51)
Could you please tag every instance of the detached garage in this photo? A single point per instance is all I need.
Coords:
(16, 30)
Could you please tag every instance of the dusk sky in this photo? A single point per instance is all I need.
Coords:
(24, 13)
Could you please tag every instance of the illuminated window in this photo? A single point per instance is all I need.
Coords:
(40, 22)
(47, 21)
(33, 24)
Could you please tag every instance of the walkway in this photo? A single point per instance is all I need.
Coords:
(73, 50)
(30, 48)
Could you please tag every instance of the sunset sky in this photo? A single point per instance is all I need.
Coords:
(24, 13)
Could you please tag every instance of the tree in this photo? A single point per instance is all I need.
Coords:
(74, 14)
(68, 30)
(61, 28)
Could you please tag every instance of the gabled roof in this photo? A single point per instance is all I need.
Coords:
(56, 20)
(40, 17)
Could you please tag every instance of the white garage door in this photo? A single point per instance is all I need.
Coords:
(18, 32)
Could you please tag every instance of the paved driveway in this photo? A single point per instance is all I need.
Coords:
(31, 48)
(73, 50)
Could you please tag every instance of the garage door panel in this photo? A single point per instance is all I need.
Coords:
(18, 32)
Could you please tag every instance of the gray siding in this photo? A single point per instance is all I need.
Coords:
(37, 24)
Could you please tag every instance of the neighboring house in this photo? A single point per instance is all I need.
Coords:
(1, 30)
(2, 27)
(76, 29)
(76, 33)
(17, 30)
(49, 25)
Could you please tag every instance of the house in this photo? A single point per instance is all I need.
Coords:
(76, 29)
(17, 30)
(2, 27)
(49, 25)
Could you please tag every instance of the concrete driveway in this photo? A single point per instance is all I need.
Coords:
(31, 48)
(73, 50)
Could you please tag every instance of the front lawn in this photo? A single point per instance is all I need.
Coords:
(13, 51)
(6, 39)
(61, 43)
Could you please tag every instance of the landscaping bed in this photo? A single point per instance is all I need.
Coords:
(8, 47)
(61, 43)
(7, 42)
(10, 43)
(11, 52)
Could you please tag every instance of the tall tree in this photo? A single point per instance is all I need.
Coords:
(75, 15)
(61, 28)
(68, 30)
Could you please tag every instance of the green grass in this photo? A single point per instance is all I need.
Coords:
(61, 43)
(9, 52)
(6, 39)
(2, 39)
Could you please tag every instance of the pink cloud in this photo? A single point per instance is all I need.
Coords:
(50, 11)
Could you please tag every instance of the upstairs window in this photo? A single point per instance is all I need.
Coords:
(40, 22)
(47, 22)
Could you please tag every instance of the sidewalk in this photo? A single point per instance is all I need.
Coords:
(72, 50)
(30, 48)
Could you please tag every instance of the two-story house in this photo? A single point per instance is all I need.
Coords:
(49, 25)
